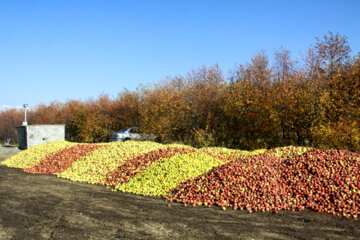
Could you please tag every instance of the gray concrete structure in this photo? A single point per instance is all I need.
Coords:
(33, 135)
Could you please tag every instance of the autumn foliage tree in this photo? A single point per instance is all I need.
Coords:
(10, 119)
(256, 105)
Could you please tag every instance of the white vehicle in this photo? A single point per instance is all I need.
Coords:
(133, 133)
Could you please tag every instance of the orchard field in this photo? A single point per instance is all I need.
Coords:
(156, 191)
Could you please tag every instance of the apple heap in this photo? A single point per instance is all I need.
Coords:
(95, 166)
(162, 176)
(287, 178)
(226, 154)
(60, 161)
(288, 151)
(234, 184)
(139, 163)
(322, 180)
(327, 181)
(34, 155)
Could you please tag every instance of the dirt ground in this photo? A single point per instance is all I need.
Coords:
(46, 207)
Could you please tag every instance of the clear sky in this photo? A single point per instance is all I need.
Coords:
(57, 50)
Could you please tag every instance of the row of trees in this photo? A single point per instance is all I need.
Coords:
(315, 102)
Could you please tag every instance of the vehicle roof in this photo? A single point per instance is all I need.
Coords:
(127, 129)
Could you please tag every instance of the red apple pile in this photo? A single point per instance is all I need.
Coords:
(61, 160)
(321, 180)
(139, 163)
(326, 181)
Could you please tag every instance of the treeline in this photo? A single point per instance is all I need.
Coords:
(313, 102)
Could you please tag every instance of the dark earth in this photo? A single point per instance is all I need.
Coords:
(46, 207)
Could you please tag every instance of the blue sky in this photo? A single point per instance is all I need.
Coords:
(57, 50)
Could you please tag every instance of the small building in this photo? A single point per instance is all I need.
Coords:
(32, 135)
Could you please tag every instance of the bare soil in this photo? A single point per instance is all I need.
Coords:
(46, 207)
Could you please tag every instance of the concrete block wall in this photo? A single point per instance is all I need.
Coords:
(39, 134)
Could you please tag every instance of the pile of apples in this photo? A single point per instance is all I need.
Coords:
(166, 173)
(59, 161)
(95, 166)
(34, 155)
(286, 178)
(139, 163)
(321, 180)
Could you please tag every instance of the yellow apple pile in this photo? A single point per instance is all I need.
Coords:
(94, 167)
(34, 155)
(160, 177)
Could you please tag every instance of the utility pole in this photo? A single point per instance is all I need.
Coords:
(25, 107)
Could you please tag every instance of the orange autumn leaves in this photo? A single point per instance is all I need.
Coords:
(314, 102)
